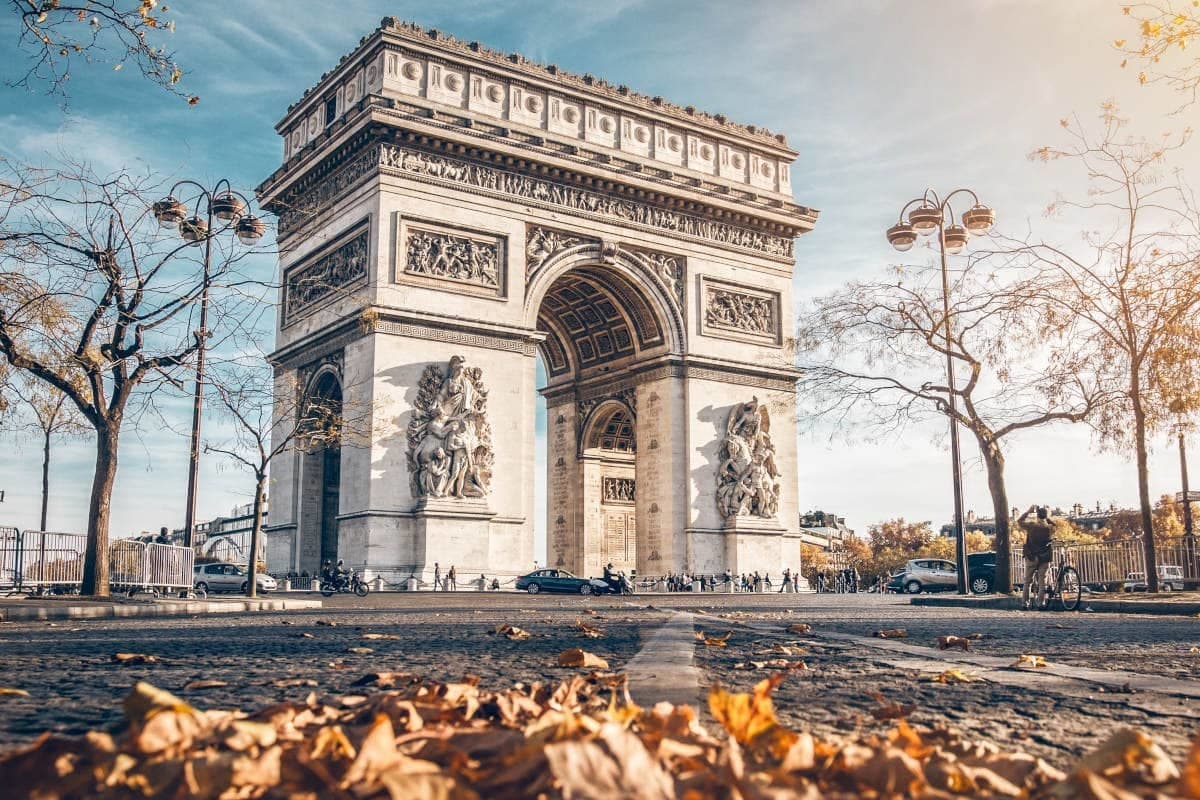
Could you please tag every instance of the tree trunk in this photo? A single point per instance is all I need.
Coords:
(45, 478)
(1143, 475)
(993, 459)
(95, 560)
(255, 535)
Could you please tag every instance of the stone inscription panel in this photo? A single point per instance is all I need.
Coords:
(561, 525)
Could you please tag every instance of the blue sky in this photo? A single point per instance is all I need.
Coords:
(881, 97)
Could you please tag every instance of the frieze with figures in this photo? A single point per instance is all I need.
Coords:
(744, 312)
(453, 257)
(507, 184)
(619, 490)
(332, 272)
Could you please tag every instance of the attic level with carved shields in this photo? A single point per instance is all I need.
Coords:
(463, 230)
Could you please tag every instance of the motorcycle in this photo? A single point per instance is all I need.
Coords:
(344, 583)
(619, 584)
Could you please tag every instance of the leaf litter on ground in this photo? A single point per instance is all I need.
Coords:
(581, 738)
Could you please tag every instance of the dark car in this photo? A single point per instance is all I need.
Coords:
(559, 580)
(981, 571)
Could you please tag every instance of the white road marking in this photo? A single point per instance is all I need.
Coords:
(665, 669)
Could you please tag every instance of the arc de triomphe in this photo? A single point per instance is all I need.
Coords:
(446, 213)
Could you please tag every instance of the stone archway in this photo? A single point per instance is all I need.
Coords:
(445, 214)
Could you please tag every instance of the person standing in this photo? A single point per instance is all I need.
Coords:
(437, 577)
(451, 580)
(1038, 527)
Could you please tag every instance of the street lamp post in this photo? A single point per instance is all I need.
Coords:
(229, 208)
(935, 214)
(1189, 535)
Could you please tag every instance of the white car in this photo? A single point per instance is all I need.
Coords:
(223, 577)
(1170, 578)
(928, 575)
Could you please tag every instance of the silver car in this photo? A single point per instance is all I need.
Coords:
(929, 575)
(224, 577)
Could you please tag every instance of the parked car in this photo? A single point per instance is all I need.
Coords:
(929, 575)
(895, 583)
(1170, 578)
(981, 571)
(225, 577)
(559, 580)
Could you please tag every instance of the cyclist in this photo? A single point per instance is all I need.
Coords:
(1038, 527)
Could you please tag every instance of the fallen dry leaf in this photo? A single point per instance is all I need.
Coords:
(575, 657)
(6, 691)
(134, 658)
(328, 623)
(800, 627)
(890, 709)
(714, 641)
(892, 633)
(306, 635)
(512, 632)
(360, 651)
(955, 676)
(1029, 661)
(948, 642)
(380, 636)
(287, 682)
(588, 631)
(1060, 627)
(203, 684)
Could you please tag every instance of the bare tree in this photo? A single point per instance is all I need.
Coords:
(876, 354)
(53, 415)
(97, 302)
(53, 34)
(1159, 45)
(267, 419)
(1129, 295)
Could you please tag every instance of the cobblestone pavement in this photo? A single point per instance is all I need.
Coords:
(74, 684)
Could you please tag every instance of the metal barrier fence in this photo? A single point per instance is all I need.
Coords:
(47, 561)
(41, 560)
(1110, 563)
(147, 565)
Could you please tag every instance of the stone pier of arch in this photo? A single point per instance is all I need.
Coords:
(446, 215)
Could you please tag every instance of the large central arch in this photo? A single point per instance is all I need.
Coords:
(606, 317)
(446, 213)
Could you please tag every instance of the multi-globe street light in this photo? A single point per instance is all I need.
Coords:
(229, 208)
(930, 213)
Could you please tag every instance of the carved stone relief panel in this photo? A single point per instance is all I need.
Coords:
(452, 257)
(671, 270)
(541, 244)
(733, 311)
(331, 271)
(619, 490)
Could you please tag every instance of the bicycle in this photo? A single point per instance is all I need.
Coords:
(1063, 584)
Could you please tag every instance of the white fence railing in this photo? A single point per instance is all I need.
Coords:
(48, 561)
(1110, 563)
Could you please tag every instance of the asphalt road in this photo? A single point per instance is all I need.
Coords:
(1106, 671)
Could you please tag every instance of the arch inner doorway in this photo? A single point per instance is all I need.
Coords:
(321, 470)
(602, 331)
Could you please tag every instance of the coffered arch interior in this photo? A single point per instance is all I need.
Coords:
(611, 430)
(593, 316)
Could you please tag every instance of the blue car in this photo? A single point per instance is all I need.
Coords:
(559, 580)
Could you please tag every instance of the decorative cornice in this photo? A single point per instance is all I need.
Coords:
(391, 27)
